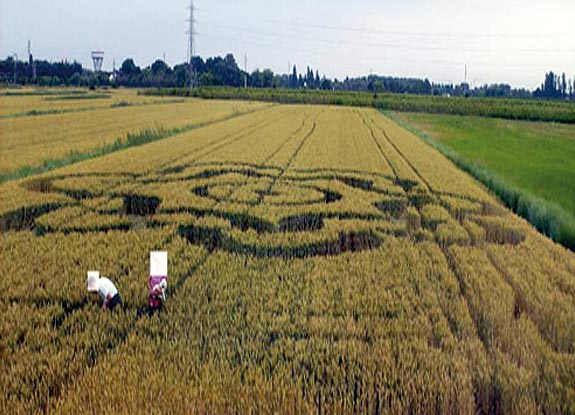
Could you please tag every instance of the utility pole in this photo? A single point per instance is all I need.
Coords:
(31, 63)
(246, 71)
(191, 46)
(465, 73)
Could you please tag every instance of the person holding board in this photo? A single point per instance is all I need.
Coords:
(106, 289)
(157, 281)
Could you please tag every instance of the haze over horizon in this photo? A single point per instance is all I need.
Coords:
(507, 41)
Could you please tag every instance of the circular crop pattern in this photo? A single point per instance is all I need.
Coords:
(266, 212)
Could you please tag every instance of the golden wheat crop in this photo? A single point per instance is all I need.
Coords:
(33, 102)
(322, 260)
(30, 140)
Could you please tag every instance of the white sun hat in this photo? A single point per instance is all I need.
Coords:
(93, 280)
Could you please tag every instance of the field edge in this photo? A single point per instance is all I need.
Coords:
(548, 218)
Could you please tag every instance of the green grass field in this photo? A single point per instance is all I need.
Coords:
(537, 158)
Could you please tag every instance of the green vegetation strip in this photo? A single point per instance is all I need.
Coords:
(33, 113)
(131, 140)
(42, 92)
(546, 217)
(73, 97)
(515, 109)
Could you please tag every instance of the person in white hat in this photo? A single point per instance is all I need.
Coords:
(106, 289)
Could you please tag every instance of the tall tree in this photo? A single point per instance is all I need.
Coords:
(293, 79)
(160, 67)
(129, 68)
(548, 88)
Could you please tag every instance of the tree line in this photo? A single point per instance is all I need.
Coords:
(555, 86)
(224, 71)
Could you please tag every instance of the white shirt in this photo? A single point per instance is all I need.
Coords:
(106, 288)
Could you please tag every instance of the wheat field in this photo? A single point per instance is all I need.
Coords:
(322, 260)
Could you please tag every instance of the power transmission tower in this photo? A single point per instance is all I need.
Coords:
(191, 46)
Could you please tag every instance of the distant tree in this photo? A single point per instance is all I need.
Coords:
(129, 68)
(548, 88)
(255, 80)
(376, 86)
(326, 84)
(198, 64)
(552, 87)
(293, 79)
(224, 71)
(426, 87)
(160, 67)
(209, 79)
(181, 74)
(268, 78)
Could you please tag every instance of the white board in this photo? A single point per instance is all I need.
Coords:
(158, 264)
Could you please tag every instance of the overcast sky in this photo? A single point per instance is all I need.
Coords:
(507, 41)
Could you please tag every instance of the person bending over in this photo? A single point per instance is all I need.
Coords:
(106, 289)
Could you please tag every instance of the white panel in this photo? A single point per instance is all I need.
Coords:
(158, 264)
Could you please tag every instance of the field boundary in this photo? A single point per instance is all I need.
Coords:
(131, 139)
(548, 218)
(513, 109)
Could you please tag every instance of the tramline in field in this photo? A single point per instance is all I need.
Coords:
(322, 260)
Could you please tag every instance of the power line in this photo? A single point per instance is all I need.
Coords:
(505, 57)
(370, 58)
(458, 36)
(378, 44)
